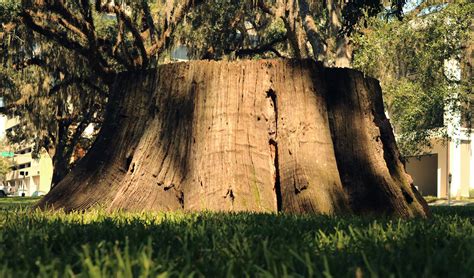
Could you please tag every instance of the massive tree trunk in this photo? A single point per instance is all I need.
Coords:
(268, 135)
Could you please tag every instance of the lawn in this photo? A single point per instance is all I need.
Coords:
(97, 244)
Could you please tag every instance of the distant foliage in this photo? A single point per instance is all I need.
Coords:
(410, 58)
(5, 165)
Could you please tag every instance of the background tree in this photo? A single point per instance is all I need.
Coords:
(411, 64)
(48, 88)
(46, 52)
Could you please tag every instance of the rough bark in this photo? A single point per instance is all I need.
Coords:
(367, 156)
(269, 135)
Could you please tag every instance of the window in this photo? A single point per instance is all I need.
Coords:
(21, 166)
(23, 151)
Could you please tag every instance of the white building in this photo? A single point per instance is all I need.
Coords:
(29, 176)
(447, 169)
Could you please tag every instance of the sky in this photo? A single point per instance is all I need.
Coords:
(411, 4)
(3, 119)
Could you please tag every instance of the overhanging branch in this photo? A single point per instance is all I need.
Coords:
(178, 13)
(98, 64)
(138, 40)
(269, 47)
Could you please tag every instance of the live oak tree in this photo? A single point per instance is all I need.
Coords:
(48, 88)
(265, 135)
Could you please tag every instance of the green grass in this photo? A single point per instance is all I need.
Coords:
(15, 203)
(432, 199)
(96, 244)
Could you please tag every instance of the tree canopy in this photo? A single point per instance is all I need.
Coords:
(139, 31)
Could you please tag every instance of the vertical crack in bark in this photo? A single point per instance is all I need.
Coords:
(273, 129)
(273, 133)
(277, 186)
(128, 162)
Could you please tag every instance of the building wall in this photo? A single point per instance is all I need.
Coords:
(472, 167)
(440, 148)
(46, 173)
(460, 165)
(424, 171)
(32, 180)
(29, 176)
(455, 167)
(466, 161)
(10, 122)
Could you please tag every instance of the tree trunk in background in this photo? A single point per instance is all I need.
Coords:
(60, 162)
(338, 48)
(60, 169)
(312, 32)
(62, 150)
(268, 135)
(289, 12)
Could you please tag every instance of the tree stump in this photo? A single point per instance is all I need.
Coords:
(263, 136)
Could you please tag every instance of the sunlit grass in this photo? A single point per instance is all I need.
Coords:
(99, 244)
(17, 202)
